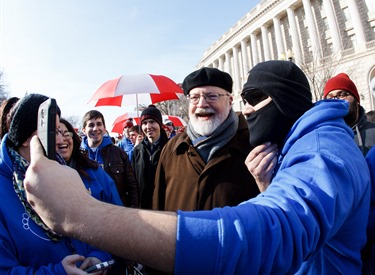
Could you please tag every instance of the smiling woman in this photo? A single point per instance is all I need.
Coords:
(32, 243)
(97, 182)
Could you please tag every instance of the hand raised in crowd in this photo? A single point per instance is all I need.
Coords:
(138, 140)
(261, 162)
(47, 204)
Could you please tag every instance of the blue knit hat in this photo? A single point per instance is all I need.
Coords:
(25, 118)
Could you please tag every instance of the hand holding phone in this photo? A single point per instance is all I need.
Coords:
(100, 266)
(47, 127)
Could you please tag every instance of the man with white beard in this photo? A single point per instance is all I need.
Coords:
(203, 167)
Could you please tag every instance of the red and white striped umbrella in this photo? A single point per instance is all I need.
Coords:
(129, 90)
(176, 120)
(117, 125)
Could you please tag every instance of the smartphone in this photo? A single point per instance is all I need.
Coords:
(47, 127)
(100, 266)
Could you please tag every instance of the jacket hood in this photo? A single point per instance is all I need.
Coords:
(6, 166)
(362, 118)
(106, 141)
(332, 110)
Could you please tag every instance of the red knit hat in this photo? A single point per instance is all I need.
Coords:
(128, 123)
(341, 82)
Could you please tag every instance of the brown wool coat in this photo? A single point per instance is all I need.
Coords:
(184, 182)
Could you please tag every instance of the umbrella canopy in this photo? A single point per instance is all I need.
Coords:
(136, 89)
(117, 125)
(176, 120)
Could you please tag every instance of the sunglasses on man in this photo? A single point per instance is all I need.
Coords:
(253, 96)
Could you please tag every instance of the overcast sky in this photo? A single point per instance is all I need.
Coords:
(67, 49)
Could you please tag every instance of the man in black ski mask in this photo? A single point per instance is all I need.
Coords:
(284, 88)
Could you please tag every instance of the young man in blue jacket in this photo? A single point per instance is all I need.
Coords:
(100, 148)
(311, 219)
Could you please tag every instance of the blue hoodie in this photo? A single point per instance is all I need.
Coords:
(370, 158)
(101, 186)
(97, 156)
(24, 247)
(311, 220)
(126, 145)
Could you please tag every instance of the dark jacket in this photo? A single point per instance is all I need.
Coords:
(116, 164)
(183, 181)
(144, 163)
(364, 132)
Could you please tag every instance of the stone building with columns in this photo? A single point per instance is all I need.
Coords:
(323, 37)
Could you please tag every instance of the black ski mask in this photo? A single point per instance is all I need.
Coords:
(289, 89)
(268, 125)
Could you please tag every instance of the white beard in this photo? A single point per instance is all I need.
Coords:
(207, 127)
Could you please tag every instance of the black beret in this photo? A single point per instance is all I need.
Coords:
(285, 83)
(25, 118)
(207, 77)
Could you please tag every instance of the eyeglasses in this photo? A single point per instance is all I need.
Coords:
(339, 95)
(66, 135)
(210, 98)
(253, 96)
(169, 124)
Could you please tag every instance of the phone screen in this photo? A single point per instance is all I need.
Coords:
(100, 266)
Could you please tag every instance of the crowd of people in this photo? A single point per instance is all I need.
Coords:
(285, 186)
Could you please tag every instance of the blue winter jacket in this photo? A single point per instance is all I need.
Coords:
(311, 220)
(370, 158)
(101, 186)
(24, 247)
(97, 156)
(126, 145)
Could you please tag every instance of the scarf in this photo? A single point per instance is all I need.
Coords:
(208, 146)
(20, 166)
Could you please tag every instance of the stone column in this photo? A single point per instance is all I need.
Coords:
(236, 70)
(278, 37)
(314, 37)
(227, 63)
(356, 19)
(333, 27)
(254, 50)
(221, 63)
(296, 49)
(245, 61)
(266, 44)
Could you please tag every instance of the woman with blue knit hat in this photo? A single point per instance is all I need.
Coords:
(146, 154)
(28, 246)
